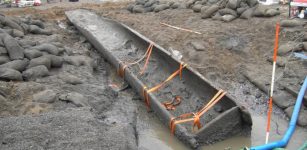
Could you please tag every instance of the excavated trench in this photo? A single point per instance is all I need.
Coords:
(120, 44)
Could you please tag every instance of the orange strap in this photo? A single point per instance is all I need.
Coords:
(157, 87)
(121, 66)
(195, 117)
(121, 69)
(148, 53)
(171, 105)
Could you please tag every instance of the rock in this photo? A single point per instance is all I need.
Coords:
(161, 7)
(302, 118)
(228, 18)
(247, 14)
(19, 65)
(8, 74)
(197, 8)
(241, 10)
(17, 33)
(76, 98)
(198, 3)
(283, 99)
(12, 24)
(288, 47)
(291, 23)
(204, 2)
(227, 11)
(47, 96)
(40, 61)
(140, 2)
(146, 9)
(138, 9)
(150, 3)
(32, 53)
(71, 79)
(4, 59)
(38, 23)
(37, 30)
(176, 5)
(130, 7)
(198, 46)
(210, 11)
(233, 4)
(13, 48)
(190, 3)
(56, 61)
(79, 60)
(25, 28)
(203, 9)
(49, 48)
(271, 12)
(252, 3)
(3, 51)
(35, 72)
(217, 16)
(26, 43)
(260, 11)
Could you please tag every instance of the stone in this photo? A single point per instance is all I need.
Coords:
(40, 61)
(35, 72)
(217, 16)
(198, 46)
(228, 18)
(247, 14)
(197, 8)
(291, 23)
(150, 3)
(241, 10)
(4, 59)
(190, 3)
(38, 23)
(47, 96)
(288, 47)
(3, 51)
(32, 53)
(252, 3)
(19, 65)
(49, 48)
(161, 7)
(56, 61)
(302, 118)
(37, 30)
(9, 22)
(76, 98)
(15, 51)
(233, 4)
(210, 11)
(283, 99)
(138, 9)
(8, 74)
(79, 60)
(26, 43)
(260, 11)
(203, 9)
(71, 79)
(271, 12)
(17, 33)
(227, 11)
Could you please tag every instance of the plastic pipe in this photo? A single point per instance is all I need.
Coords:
(292, 125)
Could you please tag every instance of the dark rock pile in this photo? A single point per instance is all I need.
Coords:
(24, 59)
(141, 6)
(225, 10)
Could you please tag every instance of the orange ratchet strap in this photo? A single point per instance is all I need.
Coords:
(195, 117)
(157, 87)
(121, 66)
(173, 103)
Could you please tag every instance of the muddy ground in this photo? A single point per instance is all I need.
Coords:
(235, 58)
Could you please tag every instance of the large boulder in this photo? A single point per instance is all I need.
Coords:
(19, 65)
(35, 72)
(40, 61)
(15, 51)
(210, 11)
(8, 74)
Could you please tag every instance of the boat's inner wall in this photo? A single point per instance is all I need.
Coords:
(194, 91)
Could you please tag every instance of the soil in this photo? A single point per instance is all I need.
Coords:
(231, 50)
